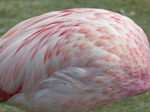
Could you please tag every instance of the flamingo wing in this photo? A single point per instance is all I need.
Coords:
(73, 60)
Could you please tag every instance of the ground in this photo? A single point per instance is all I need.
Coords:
(15, 11)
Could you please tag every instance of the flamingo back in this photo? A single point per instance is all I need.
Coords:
(74, 60)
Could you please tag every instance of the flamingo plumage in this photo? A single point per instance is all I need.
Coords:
(74, 60)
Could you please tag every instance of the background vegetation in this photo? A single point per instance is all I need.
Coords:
(15, 11)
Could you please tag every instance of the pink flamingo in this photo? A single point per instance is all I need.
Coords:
(74, 60)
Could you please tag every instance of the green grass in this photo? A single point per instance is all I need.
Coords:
(15, 11)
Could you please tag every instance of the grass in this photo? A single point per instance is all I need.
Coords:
(15, 11)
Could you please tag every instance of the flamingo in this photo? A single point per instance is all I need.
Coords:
(74, 60)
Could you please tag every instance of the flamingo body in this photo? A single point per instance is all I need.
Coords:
(74, 60)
